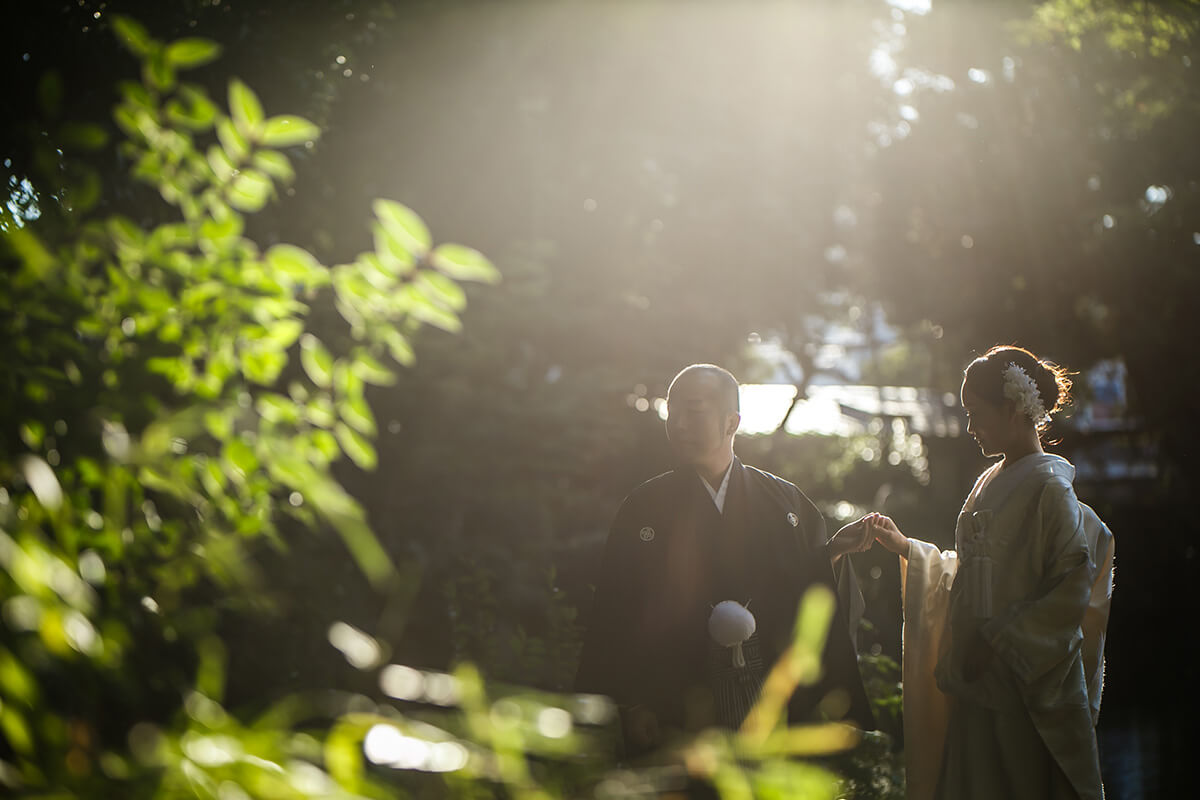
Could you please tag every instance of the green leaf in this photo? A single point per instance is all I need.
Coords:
(83, 136)
(357, 414)
(89, 472)
(246, 109)
(195, 111)
(371, 371)
(219, 424)
(128, 237)
(29, 249)
(441, 290)
(345, 382)
(41, 479)
(33, 433)
(210, 671)
(391, 256)
(250, 190)
(320, 411)
(371, 268)
(15, 730)
(349, 312)
(16, 681)
(240, 456)
(402, 223)
(85, 193)
(288, 130)
(275, 164)
(464, 264)
(812, 623)
(158, 73)
(347, 518)
(220, 162)
(283, 333)
(213, 477)
(171, 236)
(343, 755)
(291, 468)
(127, 120)
(356, 446)
(399, 348)
(219, 235)
(192, 52)
(49, 94)
(136, 96)
(326, 444)
(294, 262)
(277, 408)
(131, 34)
(156, 439)
(234, 143)
(173, 369)
(262, 365)
(315, 359)
(423, 309)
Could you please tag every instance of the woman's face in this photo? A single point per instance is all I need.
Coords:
(989, 424)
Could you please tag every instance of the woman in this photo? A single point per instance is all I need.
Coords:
(1003, 636)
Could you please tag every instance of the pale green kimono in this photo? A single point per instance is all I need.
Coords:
(1032, 573)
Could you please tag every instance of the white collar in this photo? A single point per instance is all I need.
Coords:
(718, 495)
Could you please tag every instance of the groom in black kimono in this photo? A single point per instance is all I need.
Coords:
(713, 530)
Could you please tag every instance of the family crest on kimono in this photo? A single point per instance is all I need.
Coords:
(1003, 637)
(702, 576)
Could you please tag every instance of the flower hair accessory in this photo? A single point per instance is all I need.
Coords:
(1022, 390)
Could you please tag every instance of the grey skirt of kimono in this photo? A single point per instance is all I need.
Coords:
(735, 689)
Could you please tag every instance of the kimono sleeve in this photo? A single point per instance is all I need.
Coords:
(1095, 619)
(844, 581)
(926, 576)
(1039, 637)
(839, 662)
(602, 663)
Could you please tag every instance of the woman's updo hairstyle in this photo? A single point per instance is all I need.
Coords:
(984, 377)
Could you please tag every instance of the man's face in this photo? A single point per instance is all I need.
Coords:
(698, 426)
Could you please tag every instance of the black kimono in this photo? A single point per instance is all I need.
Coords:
(671, 556)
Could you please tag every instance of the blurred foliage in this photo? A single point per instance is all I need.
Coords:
(168, 411)
(1138, 28)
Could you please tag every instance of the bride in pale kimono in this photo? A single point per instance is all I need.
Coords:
(1004, 635)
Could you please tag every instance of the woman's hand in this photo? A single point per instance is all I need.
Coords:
(887, 534)
(852, 538)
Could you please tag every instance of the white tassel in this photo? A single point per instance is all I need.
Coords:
(730, 625)
(979, 566)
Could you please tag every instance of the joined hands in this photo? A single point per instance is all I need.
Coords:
(885, 531)
(858, 536)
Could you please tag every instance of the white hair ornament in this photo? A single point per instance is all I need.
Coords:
(1023, 390)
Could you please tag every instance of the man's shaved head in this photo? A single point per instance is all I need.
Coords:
(724, 385)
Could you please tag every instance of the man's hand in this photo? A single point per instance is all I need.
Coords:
(884, 531)
(853, 538)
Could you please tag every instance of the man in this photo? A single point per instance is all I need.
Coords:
(710, 531)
